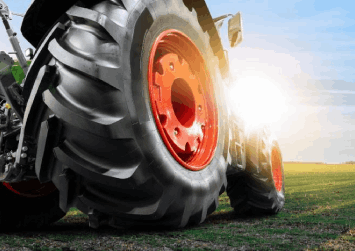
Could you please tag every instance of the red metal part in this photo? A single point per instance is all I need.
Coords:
(276, 169)
(30, 188)
(182, 99)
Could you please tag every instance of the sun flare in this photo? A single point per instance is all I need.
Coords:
(257, 101)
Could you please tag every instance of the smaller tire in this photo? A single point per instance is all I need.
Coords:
(28, 205)
(260, 189)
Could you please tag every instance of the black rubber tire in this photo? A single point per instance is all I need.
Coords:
(19, 212)
(110, 160)
(253, 191)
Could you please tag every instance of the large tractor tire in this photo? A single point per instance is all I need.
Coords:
(136, 134)
(260, 189)
(28, 204)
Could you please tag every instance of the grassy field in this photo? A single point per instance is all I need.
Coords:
(319, 214)
(319, 168)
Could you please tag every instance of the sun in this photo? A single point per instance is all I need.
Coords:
(257, 100)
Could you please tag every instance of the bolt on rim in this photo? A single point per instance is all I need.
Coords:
(182, 99)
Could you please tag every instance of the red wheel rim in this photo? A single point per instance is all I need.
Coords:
(182, 101)
(276, 169)
(30, 188)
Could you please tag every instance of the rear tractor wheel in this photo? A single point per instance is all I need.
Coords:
(260, 189)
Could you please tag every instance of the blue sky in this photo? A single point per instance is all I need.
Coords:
(304, 49)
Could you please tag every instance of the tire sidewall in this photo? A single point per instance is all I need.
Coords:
(162, 163)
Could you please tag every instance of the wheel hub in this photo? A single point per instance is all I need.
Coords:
(182, 99)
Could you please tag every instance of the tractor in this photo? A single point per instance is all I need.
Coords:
(123, 114)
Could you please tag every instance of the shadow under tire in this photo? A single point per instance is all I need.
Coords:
(260, 189)
(117, 158)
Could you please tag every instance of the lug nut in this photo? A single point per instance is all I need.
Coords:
(23, 155)
(25, 148)
(176, 131)
(200, 108)
(171, 66)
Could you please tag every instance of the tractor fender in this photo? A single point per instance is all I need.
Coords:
(43, 14)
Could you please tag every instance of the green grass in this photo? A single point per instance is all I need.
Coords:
(319, 207)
